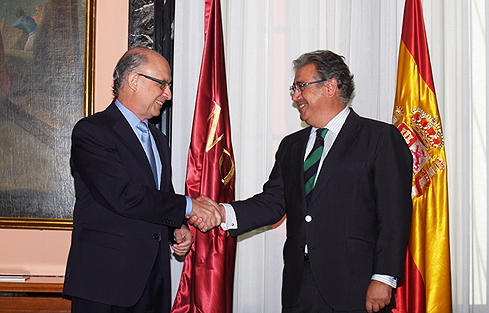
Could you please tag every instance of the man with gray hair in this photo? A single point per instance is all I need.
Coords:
(126, 210)
(345, 185)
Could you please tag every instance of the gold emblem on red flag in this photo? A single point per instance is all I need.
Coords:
(226, 179)
(211, 142)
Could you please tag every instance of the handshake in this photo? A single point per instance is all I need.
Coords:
(206, 213)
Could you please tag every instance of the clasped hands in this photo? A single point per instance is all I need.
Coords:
(206, 213)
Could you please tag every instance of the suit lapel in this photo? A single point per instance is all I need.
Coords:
(344, 142)
(123, 129)
(297, 164)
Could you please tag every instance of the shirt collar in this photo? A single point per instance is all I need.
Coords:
(334, 126)
(129, 115)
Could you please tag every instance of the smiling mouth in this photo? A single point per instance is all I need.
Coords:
(159, 102)
(298, 106)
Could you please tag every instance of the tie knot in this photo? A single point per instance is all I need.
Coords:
(143, 127)
(321, 132)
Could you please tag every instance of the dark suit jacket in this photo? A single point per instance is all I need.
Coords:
(360, 208)
(119, 213)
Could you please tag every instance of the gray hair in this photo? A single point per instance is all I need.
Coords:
(329, 65)
(128, 63)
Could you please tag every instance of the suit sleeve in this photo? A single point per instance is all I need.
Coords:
(392, 181)
(265, 208)
(114, 177)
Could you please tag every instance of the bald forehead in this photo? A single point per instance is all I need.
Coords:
(157, 58)
(156, 66)
(153, 60)
(148, 53)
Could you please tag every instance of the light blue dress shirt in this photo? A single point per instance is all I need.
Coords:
(133, 121)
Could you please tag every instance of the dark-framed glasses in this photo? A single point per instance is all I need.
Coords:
(302, 86)
(163, 83)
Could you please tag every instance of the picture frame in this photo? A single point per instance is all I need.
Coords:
(46, 86)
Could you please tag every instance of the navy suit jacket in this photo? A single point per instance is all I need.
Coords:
(360, 208)
(119, 214)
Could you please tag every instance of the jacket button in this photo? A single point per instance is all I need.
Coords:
(156, 237)
(308, 218)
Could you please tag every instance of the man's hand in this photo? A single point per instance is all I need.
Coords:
(184, 239)
(378, 296)
(205, 214)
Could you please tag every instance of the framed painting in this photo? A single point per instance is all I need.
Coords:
(46, 86)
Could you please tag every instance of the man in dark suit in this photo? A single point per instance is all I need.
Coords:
(346, 240)
(126, 211)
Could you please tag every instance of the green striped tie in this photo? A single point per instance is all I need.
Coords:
(311, 164)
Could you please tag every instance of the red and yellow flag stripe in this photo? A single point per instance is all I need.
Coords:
(427, 285)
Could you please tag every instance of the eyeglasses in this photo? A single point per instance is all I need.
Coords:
(163, 83)
(302, 86)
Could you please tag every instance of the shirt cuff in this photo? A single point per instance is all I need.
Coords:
(188, 208)
(386, 279)
(231, 220)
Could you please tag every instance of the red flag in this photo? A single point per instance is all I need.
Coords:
(427, 285)
(207, 277)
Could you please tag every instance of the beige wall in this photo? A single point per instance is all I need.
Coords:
(44, 252)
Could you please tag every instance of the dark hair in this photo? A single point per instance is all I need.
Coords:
(19, 13)
(128, 63)
(329, 65)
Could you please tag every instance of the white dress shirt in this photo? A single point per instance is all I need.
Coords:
(334, 126)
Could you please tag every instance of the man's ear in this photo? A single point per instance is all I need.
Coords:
(332, 86)
(132, 80)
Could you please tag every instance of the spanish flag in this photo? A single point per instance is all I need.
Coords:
(427, 285)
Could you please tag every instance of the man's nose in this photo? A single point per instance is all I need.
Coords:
(296, 95)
